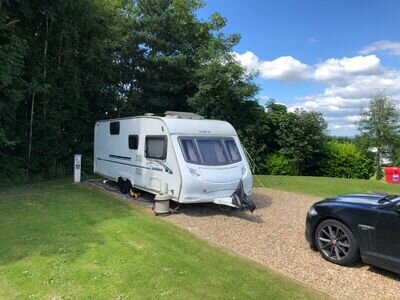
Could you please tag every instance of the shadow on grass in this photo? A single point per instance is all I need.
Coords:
(52, 219)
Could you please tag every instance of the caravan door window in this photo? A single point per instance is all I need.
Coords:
(156, 147)
(133, 141)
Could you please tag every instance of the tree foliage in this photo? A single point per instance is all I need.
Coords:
(301, 137)
(380, 125)
(12, 53)
(62, 58)
(277, 164)
(65, 64)
(344, 160)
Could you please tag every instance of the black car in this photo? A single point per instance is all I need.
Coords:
(349, 227)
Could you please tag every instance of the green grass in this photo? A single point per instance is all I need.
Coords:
(66, 241)
(324, 186)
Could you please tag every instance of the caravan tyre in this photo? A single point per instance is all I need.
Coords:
(123, 187)
(128, 187)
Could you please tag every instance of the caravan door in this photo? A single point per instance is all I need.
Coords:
(156, 168)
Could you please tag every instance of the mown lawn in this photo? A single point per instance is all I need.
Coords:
(324, 186)
(64, 241)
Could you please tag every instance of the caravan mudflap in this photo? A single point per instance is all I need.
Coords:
(241, 199)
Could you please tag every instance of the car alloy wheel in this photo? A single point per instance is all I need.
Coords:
(334, 242)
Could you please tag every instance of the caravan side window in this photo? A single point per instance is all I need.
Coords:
(156, 147)
(133, 141)
(114, 128)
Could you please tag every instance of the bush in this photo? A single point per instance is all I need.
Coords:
(343, 160)
(278, 164)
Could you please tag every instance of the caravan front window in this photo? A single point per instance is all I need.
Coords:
(190, 151)
(233, 150)
(212, 152)
(209, 151)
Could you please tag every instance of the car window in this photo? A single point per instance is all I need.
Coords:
(389, 198)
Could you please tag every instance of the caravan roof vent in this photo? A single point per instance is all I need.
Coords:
(148, 114)
(183, 115)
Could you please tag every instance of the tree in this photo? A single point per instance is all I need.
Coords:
(380, 123)
(344, 160)
(302, 139)
(161, 54)
(12, 53)
(57, 77)
(277, 164)
(275, 115)
(224, 91)
(66, 64)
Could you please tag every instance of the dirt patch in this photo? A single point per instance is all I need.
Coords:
(274, 236)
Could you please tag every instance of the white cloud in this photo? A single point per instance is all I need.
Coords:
(390, 47)
(290, 69)
(366, 86)
(349, 84)
(340, 113)
(249, 60)
(354, 118)
(331, 105)
(311, 105)
(339, 70)
(284, 68)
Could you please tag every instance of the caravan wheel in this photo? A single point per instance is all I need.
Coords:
(123, 185)
(128, 187)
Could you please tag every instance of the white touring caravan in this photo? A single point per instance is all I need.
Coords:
(181, 155)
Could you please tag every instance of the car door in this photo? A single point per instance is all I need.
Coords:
(387, 237)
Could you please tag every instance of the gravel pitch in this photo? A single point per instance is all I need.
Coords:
(274, 236)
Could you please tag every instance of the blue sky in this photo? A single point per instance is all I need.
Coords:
(328, 56)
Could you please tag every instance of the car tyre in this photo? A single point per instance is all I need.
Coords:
(336, 243)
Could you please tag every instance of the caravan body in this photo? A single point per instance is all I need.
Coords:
(191, 159)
